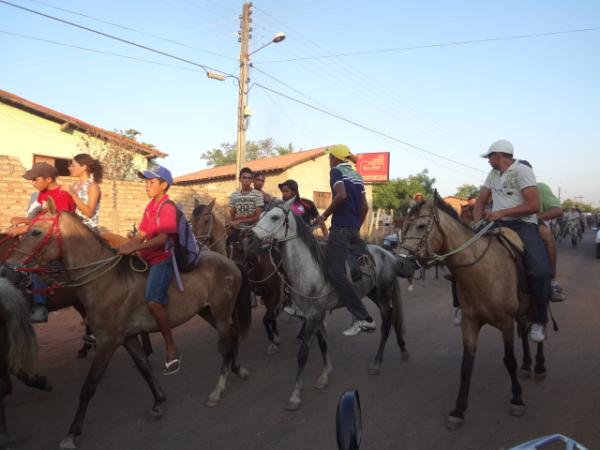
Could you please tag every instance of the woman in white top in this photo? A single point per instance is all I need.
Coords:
(86, 192)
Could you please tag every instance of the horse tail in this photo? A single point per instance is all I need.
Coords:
(20, 343)
(397, 309)
(242, 314)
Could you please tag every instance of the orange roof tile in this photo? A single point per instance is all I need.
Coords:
(271, 164)
(73, 122)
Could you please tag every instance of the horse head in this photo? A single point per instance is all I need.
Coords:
(273, 226)
(202, 221)
(41, 243)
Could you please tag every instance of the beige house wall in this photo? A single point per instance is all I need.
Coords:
(23, 134)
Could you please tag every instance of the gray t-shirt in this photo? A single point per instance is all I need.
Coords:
(246, 204)
(507, 188)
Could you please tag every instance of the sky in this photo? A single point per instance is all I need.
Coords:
(439, 107)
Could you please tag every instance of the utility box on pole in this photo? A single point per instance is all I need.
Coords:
(244, 38)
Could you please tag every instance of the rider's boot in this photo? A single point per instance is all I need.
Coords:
(39, 314)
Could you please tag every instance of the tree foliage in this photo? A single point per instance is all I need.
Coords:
(584, 207)
(396, 194)
(466, 190)
(227, 151)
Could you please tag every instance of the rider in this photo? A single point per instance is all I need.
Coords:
(86, 192)
(348, 210)
(154, 232)
(575, 215)
(258, 181)
(245, 205)
(514, 191)
(43, 176)
(301, 206)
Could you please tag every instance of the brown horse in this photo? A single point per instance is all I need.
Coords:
(264, 277)
(113, 297)
(487, 279)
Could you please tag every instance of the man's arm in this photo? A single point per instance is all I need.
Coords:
(250, 220)
(364, 208)
(482, 198)
(138, 243)
(530, 205)
(339, 197)
(551, 213)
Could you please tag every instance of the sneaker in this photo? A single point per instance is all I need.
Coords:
(39, 314)
(457, 320)
(293, 311)
(558, 295)
(358, 326)
(537, 332)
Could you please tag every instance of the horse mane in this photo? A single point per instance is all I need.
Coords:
(443, 206)
(316, 249)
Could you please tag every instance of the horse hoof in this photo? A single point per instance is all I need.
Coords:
(454, 423)
(67, 443)
(374, 369)
(540, 376)
(243, 373)
(321, 384)
(156, 412)
(213, 400)
(292, 405)
(405, 355)
(524, 373)
(517, 410)
(272, 349)
(410, 288)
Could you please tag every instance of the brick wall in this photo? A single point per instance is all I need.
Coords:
(131, 198)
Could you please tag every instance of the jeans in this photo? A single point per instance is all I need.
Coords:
(537, 266)
(338, 243)
(37, 283)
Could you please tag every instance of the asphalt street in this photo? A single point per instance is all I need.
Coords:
(403, 408)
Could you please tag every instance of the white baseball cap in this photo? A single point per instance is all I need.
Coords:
(501, 146)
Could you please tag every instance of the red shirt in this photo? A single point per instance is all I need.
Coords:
(153, 224)
(62, 199)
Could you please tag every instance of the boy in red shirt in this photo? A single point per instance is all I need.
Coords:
(158, 226)
(43, 177)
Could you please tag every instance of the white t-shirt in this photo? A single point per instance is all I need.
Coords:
(507, 188)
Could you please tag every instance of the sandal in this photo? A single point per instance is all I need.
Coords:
(173, 366)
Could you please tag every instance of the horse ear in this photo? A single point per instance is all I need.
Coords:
(50, 205)
(196, 203)
(211, 204)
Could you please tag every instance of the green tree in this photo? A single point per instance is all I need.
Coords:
(226, 152)
(584, 207)
(466, 190)
(396, 194)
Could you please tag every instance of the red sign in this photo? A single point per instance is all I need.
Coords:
(374, 167)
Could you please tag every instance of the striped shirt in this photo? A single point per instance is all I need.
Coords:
(246, 204)
(348, 214)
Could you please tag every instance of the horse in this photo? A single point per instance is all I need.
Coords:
(18, 350)
(303, 258)
(572, 229)
(488, 289)
(262, 273)
(60, 298)
(113, 296)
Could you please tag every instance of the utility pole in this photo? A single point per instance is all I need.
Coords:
(243, 111)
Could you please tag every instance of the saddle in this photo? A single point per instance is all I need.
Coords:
(360, 263)
(510, 239)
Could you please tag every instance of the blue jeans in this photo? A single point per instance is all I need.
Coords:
(338, 244)
(159, 279)
(38, 283)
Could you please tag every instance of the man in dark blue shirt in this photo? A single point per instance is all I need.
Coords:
(349, 209)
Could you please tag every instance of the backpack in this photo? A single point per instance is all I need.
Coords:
(185, 248)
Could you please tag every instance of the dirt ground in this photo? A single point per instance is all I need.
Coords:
(403, 408)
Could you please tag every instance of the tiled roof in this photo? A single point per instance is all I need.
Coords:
(73, 122)
(275, 163)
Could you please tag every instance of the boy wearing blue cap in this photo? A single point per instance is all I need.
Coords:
(158, 225)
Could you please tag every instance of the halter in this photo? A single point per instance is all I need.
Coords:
(286, 222)
(39, 249)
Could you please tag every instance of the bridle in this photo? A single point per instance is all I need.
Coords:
(42, 246)
(431, 258)
(285, 222)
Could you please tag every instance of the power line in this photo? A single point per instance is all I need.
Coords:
(143, 33)
(365, 127)
(444, 44)
(116, 38)
(92, 50)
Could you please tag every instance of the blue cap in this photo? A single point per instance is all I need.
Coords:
(157, 172)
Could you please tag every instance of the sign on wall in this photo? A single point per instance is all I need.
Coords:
(374, 167)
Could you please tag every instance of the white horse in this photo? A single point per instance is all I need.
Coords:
(303, 258)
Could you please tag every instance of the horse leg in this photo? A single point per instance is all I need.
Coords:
(312, 324)
(235, 348)
(470, 332)
(146, 344)
(104, 353)
(517, 408)
(525, 370)
(386, 323)
(137, 353)
(39, 382)
(323, 379)
(5, 389)
(270, 324)
(227, 351)
(540, 360)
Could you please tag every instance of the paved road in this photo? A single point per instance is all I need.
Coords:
(403, 408)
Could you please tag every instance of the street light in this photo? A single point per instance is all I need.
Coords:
(280, 36)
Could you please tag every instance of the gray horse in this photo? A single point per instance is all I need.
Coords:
(303, 258)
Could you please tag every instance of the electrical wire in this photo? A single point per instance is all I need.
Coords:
(116, 38)
(143, 33)
(444, 44)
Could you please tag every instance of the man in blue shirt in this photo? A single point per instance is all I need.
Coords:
(348, 209)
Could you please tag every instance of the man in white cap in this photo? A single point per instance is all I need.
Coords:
(514, 192)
